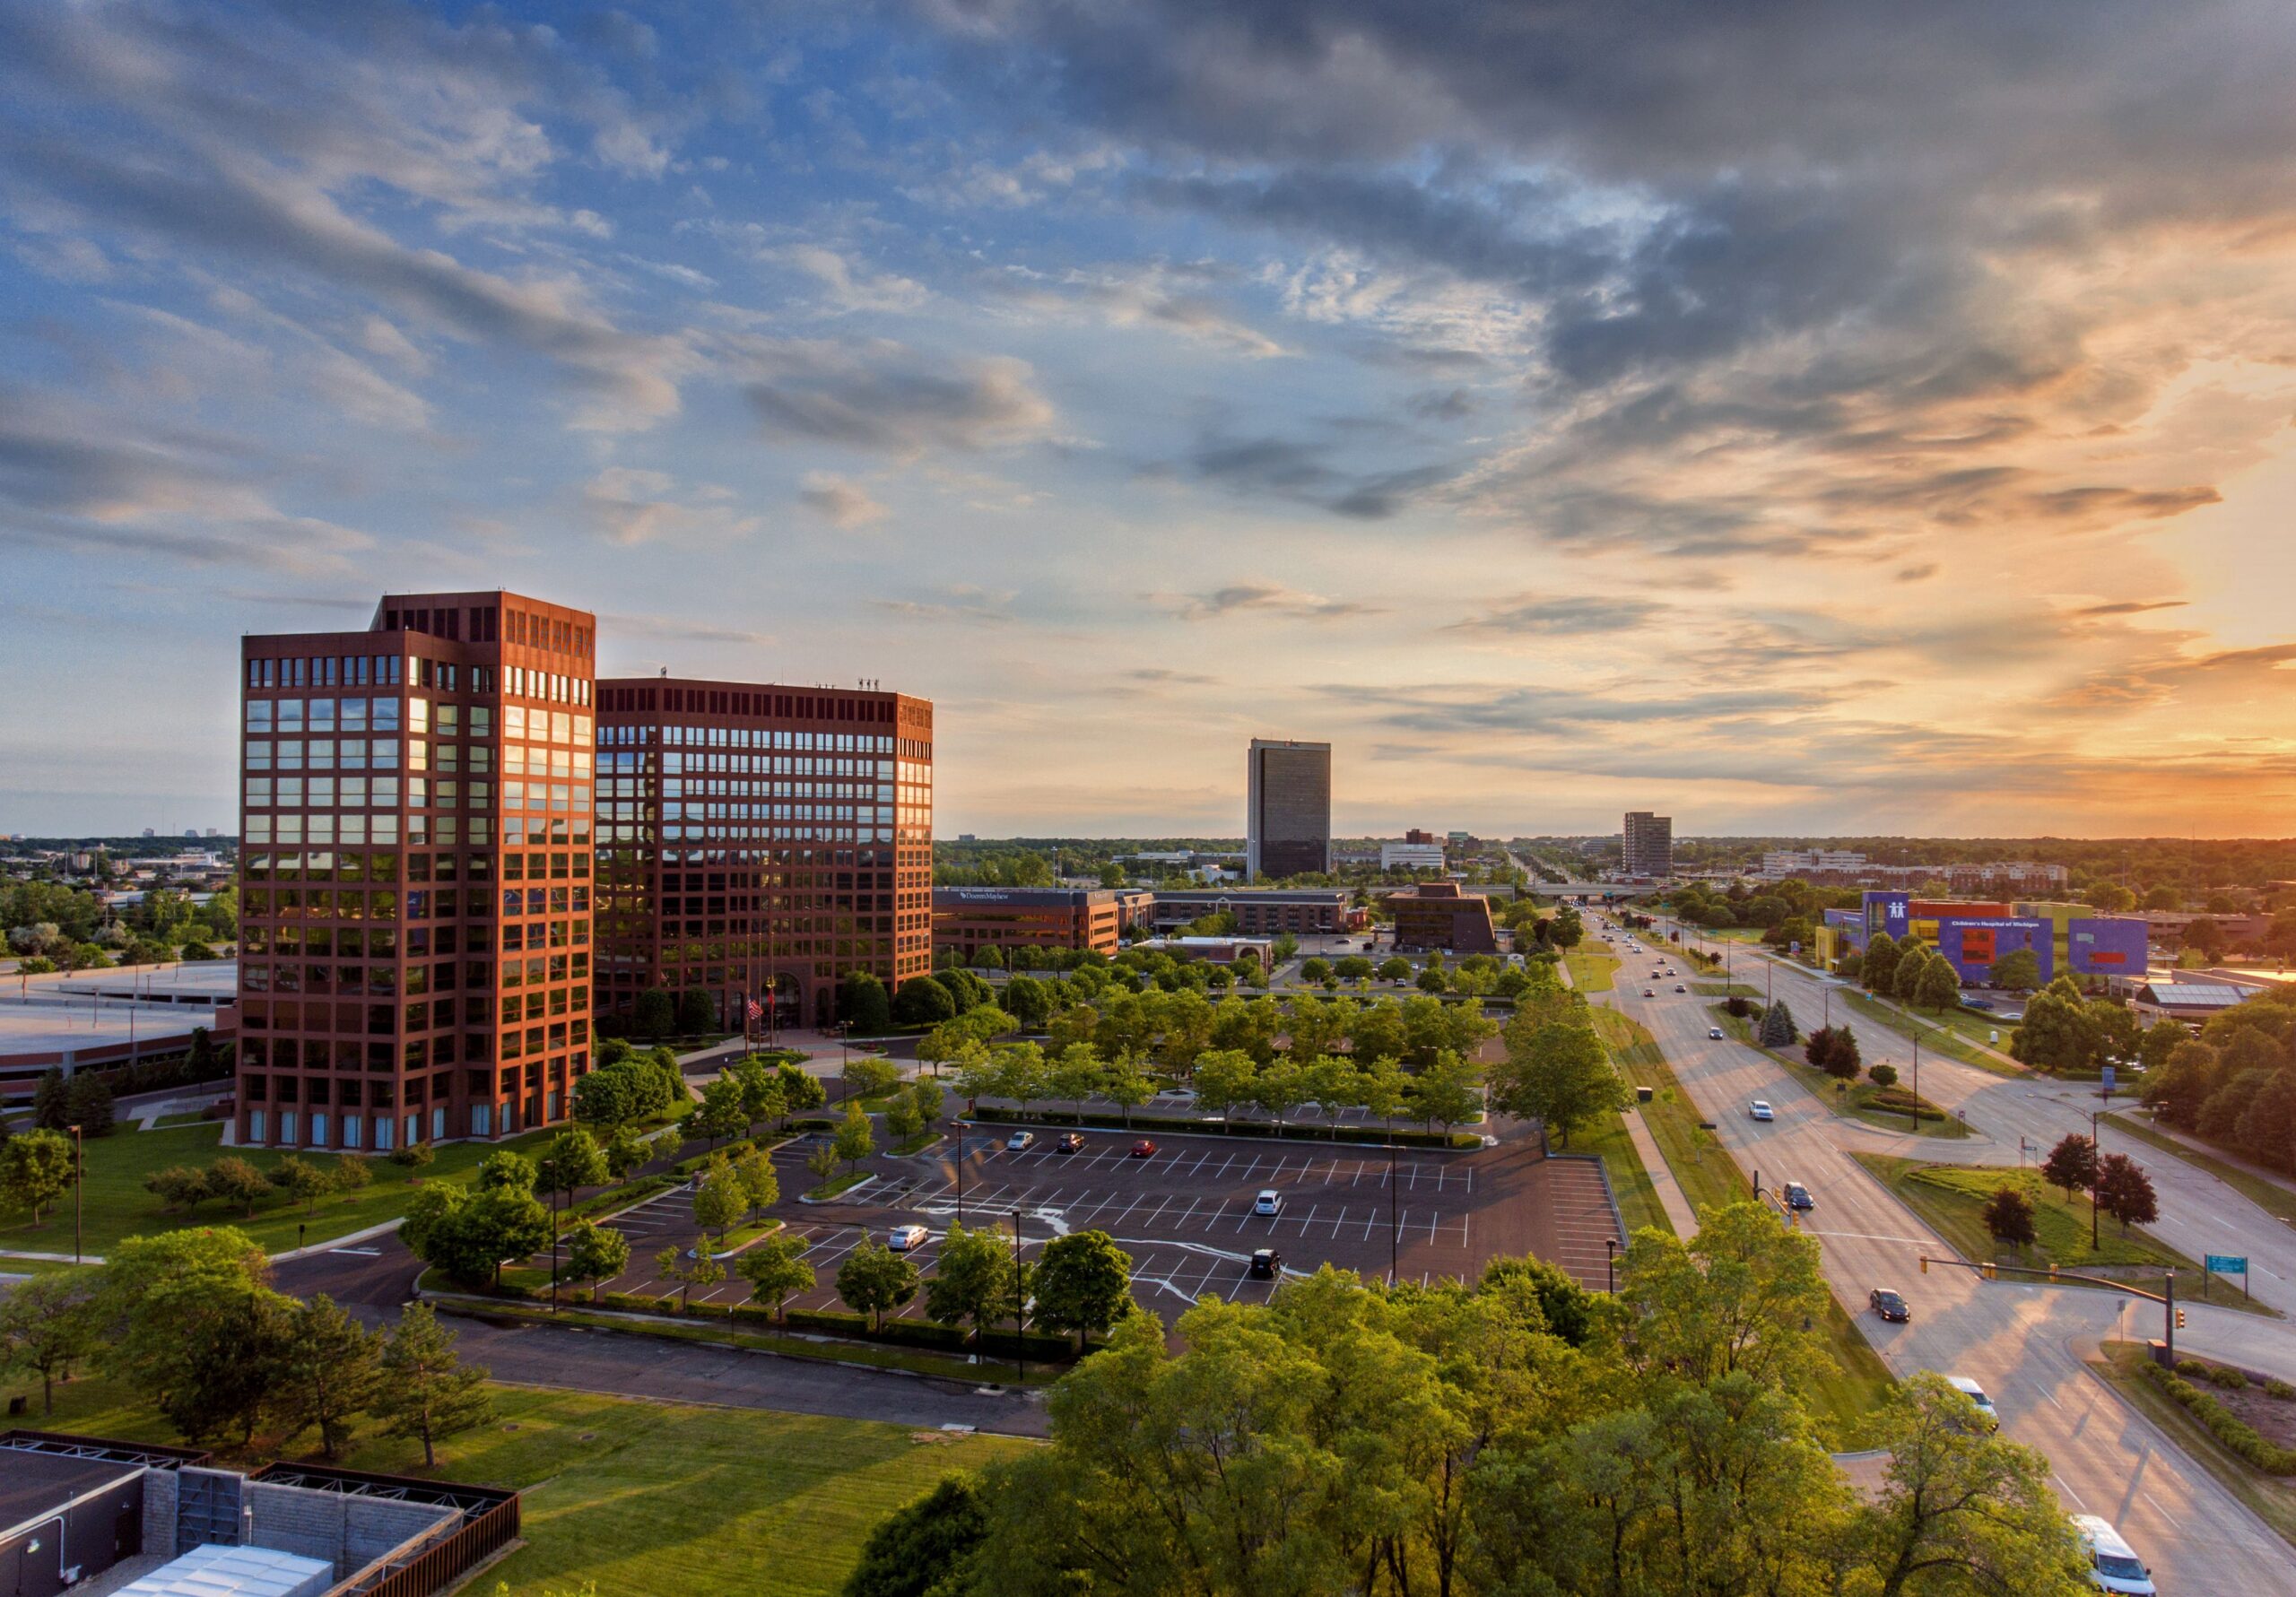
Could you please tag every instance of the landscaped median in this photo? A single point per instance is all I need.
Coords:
(1892, 1108)
(1952, 1199)
(1174, 1126)
(2245, 1435)
(921, 1346)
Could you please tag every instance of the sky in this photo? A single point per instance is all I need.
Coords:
(1797, 417)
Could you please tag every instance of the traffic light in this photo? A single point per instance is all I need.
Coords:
(1992, 1271)
(2180, 1319)
(1924, 1264)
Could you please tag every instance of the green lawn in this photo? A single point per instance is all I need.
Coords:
(2267, 1195)
(116, 1204)
(1708, 1175)
(1630, 1183)
(644, 1497)
(1591, 970)
(1952, 1199)
(1940, 1039)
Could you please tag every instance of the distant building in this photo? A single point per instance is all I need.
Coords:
(1415, 836)
(1974, 937)
(2189, 1002)
(1779, 864)
(1215, 950)
(1411, 856)
(969, 919)
(1265, 911)
(1649, 845)
(1288, 809)
(1438, 915)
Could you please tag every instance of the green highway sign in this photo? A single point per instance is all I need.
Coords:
(2227, 1263)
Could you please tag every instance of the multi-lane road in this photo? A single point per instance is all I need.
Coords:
(2023, 1343)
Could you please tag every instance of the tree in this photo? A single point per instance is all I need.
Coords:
(89, 1103)
(974, 1280)
(1913, 969)
(505, 1170)
(855, 1140)
(606, 1096)
(1395, 968)
(2071, 1165)
(1028, 1001)
(1777, 1028)
(302, 1181)
(1280, 1089)
(801, 1089)
(657, 1014)
(45, 1326)
(35, 1170)
(1878, 966)
(776, 1271)
(761, 1187)
(2009, 1217)
(1557, 1073)
(594, 1254)
(719, 1201)
(923, 1001)
(901, 1122)
(1883, 1076)
(51, 1111)
(822, 1161)
(720, 1113)
(873, 1279)
(2124, 1191)
(189, 1319)
(922, 1549)
(1941, 984)
(1082, 1284)
(469, 1235)
(178, 1187)
(864, 1004)
(1447, 1091)
(2018, 971)
(328, 1371)
(1224, 1078)
(2206, 938)
(426, 1390)
(233, 1180)
(2267, 1126)
(1315, 971)
(926, 1098)
(625, 1150)
(571, 1160)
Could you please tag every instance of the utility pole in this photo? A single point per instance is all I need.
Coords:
(79, 1181)
(1915, 1107)
(2097, 1159)
(2169, 1327)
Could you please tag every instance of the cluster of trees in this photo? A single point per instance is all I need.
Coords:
(1788, 912)
(1510, 1436)
(1911, 972)
(692, 1011)
(2235, 1083)
(749, 1093)
(232, 1180)
(1556, 1070)
(189, 1319)
(1080, 1284)
(52, 927)
(83, 1099)
(2063, 1029)
(2116, 1183)
(1833, 1049)
(627, 1085)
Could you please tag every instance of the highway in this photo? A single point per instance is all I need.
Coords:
(2023, 1343)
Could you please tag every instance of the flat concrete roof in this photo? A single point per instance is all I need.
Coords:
(45, 1017)
(36, 1485)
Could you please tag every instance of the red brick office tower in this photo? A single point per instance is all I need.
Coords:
(414, 873)
(758, 837)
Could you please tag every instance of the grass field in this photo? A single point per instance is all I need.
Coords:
(1708, 1175)
(2267, 1195)
(1952, 1199)
(1637, 1199)
(1591, 970)
(116, 1205)
(643, 1497)
(2272, 1499)
(1892, 1108)
(1938, 1039)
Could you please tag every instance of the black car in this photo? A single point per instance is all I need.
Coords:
(1889, 1304)
(1070, 1143)
(1797, 1196)
(1266, 1263)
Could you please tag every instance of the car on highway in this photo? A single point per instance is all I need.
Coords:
(1714, 1032)
(1648, 993)
(1976, 1394)
(1143, 1148)
(1266, 1263)
(1795, 1195)
(1269, 1202)
(2113, 1564)
(1886, 1303)
(1759, 1109)
(1020, 1142)
(1068, 1142)
(903, 1238)
(1679, 988)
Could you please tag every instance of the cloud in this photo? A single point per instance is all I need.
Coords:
(1268, 598)
(960, 603)
(1305, 471)
(1563, 617)
(840, 501)
(2131, 607)
(632, 506)
(850, 286)
(885, 397)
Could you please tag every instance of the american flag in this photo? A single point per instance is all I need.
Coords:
(756, 1014)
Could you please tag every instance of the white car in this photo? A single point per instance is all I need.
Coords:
(1269, 1202)
(1976, 1394)
(2113, 1564)
(1759, 1109)
(903, 1238)
(1021, 1141)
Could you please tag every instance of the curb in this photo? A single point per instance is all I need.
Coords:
(840, 1197)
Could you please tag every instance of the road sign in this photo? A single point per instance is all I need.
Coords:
(2227, 1263)
(2109, 1081)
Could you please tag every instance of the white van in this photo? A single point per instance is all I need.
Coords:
(1976, 1394)
(2113, 1564)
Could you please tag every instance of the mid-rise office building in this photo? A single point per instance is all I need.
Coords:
(760, 838)
(1265, 912)
(969, 919)
(1411, 856)
(1437, 915)
(1288, 803)
(1650, 841)
(415, 873)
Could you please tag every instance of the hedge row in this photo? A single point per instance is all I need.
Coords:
(2224, 1425)
(1041, 1346)
(1403, 1136)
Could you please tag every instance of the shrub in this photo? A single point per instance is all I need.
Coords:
(2228, 1378)
(2226, 1426)
(2278, 1388)
(2191, 1366)
(413, 1155)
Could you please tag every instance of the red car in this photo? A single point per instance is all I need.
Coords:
(1143, 1149)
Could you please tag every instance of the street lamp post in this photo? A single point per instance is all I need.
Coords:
(961, 1170)
(78, 1182)
(1914, 1108)
(2096, 1159)
(1020, 1307)
(1395, 1226)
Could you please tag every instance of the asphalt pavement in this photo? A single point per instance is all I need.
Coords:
(2022, 1342)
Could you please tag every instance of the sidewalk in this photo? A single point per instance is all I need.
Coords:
(1662, 1178)
(2223, 1156)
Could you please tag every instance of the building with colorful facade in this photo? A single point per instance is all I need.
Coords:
(1975, 937)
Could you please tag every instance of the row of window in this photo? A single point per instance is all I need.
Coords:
(642, 835)
(752, 737)
(352, 670)
(258, 864)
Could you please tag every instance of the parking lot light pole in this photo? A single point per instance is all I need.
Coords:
(1019, 1307)
(961, 1170)
(1395, 1226)
(78, 1182)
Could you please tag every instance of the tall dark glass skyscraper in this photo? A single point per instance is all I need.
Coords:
(1288, 823)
